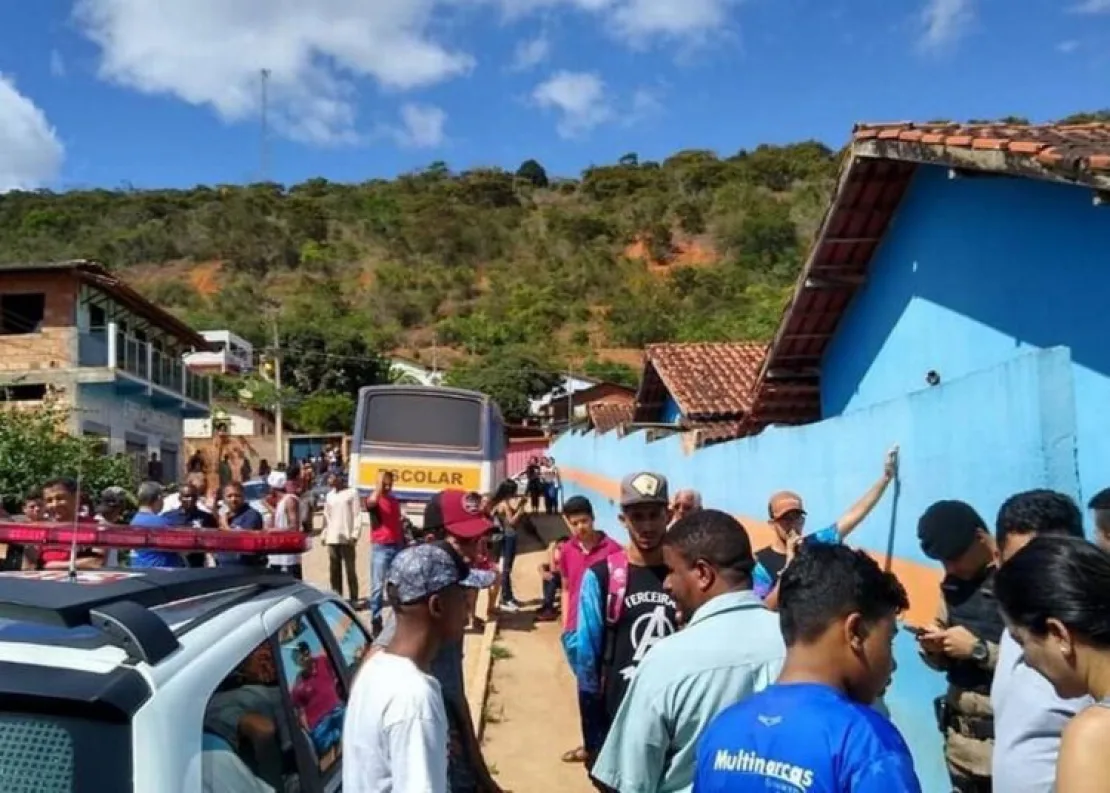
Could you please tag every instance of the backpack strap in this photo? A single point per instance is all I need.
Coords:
(617, 565)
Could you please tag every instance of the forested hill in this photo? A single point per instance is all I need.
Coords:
(698, 247)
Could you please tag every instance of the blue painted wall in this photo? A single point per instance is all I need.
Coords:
(973, 272)
(980, 438)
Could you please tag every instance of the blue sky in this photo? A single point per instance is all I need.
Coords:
(166, 92)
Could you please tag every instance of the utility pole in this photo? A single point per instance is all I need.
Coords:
(279, 430)
(570, 397)
(263, 143)
(435, 358)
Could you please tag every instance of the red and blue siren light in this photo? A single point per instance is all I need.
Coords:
(131, 538)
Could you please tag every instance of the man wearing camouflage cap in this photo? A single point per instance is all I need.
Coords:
(395, 731)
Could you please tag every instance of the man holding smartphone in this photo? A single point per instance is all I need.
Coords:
(963, 641)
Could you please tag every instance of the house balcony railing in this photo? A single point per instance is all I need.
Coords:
(111, 347)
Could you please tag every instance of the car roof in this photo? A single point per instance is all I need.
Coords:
(106, 618)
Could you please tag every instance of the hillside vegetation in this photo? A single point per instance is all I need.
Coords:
(498, 270)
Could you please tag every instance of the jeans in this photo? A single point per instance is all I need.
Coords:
(508, 556)
(381, 557)
(594, 720)
(551, 591)
(342, 556)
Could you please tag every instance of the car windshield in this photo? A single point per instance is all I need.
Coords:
(49, 753)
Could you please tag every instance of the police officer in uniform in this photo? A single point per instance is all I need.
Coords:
(963, 642)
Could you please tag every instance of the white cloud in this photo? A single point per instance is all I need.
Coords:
(579, 98)
(639, 20)
(531, 53)
(422, 126)
(1092, 7)
(945, 21)
(57, 64)
(30, 152)
(210, 52)
(1067, 47)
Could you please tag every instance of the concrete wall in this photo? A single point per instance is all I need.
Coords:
(979, 438)
(973, 272)
(101, 410)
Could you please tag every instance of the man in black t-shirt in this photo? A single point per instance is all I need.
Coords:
(623, 610)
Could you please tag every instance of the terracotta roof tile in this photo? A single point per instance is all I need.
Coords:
(606, 416)
(709, 380)
(1082, 146)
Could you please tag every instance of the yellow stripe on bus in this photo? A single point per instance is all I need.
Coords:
(412, 476)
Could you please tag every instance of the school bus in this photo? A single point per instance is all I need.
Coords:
(431, 438)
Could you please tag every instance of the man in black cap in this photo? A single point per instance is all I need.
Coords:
(963, 642)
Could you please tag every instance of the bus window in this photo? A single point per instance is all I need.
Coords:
(415, 419)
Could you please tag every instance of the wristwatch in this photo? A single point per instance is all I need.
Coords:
(980, 652)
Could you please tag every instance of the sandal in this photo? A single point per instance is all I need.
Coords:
(575, 755)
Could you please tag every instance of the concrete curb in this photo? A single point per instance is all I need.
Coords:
(477, 686)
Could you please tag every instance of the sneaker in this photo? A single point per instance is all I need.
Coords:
(547, 615)
(510, 606)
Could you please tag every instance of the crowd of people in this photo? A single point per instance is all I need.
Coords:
(282, 506)
(704, 664)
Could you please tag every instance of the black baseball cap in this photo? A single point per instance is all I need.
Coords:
(948, 528)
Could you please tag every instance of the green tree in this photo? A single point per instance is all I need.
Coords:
(36, 448)
(512, 378)
(326, 412)
(532, 172)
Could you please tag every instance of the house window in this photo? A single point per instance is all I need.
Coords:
(98, 317)
(23, 393)
(22, 313)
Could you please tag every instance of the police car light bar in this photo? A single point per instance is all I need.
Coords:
(130, 538)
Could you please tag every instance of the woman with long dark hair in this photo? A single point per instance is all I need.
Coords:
(1055, 596)
(506, 509)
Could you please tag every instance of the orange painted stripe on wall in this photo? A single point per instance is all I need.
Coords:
(922, 581)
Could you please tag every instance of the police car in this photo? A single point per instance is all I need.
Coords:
(227, 679)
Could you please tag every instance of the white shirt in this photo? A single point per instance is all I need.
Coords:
(341, 516)
(281, 523)
(395, 730)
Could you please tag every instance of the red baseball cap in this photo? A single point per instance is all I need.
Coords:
(458, 513)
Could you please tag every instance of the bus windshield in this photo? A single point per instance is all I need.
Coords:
(441, 421)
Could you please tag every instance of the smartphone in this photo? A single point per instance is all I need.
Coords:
(916, 630)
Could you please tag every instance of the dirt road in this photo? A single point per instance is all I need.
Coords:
(532, 710)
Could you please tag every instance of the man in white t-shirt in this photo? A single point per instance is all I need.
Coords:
(395, 730)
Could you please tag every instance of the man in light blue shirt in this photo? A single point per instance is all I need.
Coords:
(731, 648)
(1029, 717)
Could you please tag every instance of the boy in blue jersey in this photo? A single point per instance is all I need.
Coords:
(815, 731)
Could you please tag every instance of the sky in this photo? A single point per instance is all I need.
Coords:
(169, 93)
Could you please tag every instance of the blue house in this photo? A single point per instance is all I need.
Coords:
(951, 303)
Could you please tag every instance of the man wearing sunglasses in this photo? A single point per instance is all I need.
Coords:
(788, 520)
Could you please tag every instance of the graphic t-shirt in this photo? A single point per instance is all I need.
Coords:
(609, 654)
(317, 693)
(803, 738)
(769, 563)
(395, 730)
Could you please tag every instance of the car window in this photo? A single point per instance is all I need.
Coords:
(52, 753)
(314, 688)
(247, 742)
(352, 638)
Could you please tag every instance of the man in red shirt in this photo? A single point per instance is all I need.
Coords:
(586, 547)
(387, 537)
(60, 501)
(315, 695)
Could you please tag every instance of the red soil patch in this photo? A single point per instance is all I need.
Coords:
(685, 252)
(205, 278)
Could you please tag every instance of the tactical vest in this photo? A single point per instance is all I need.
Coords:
(972, 605)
